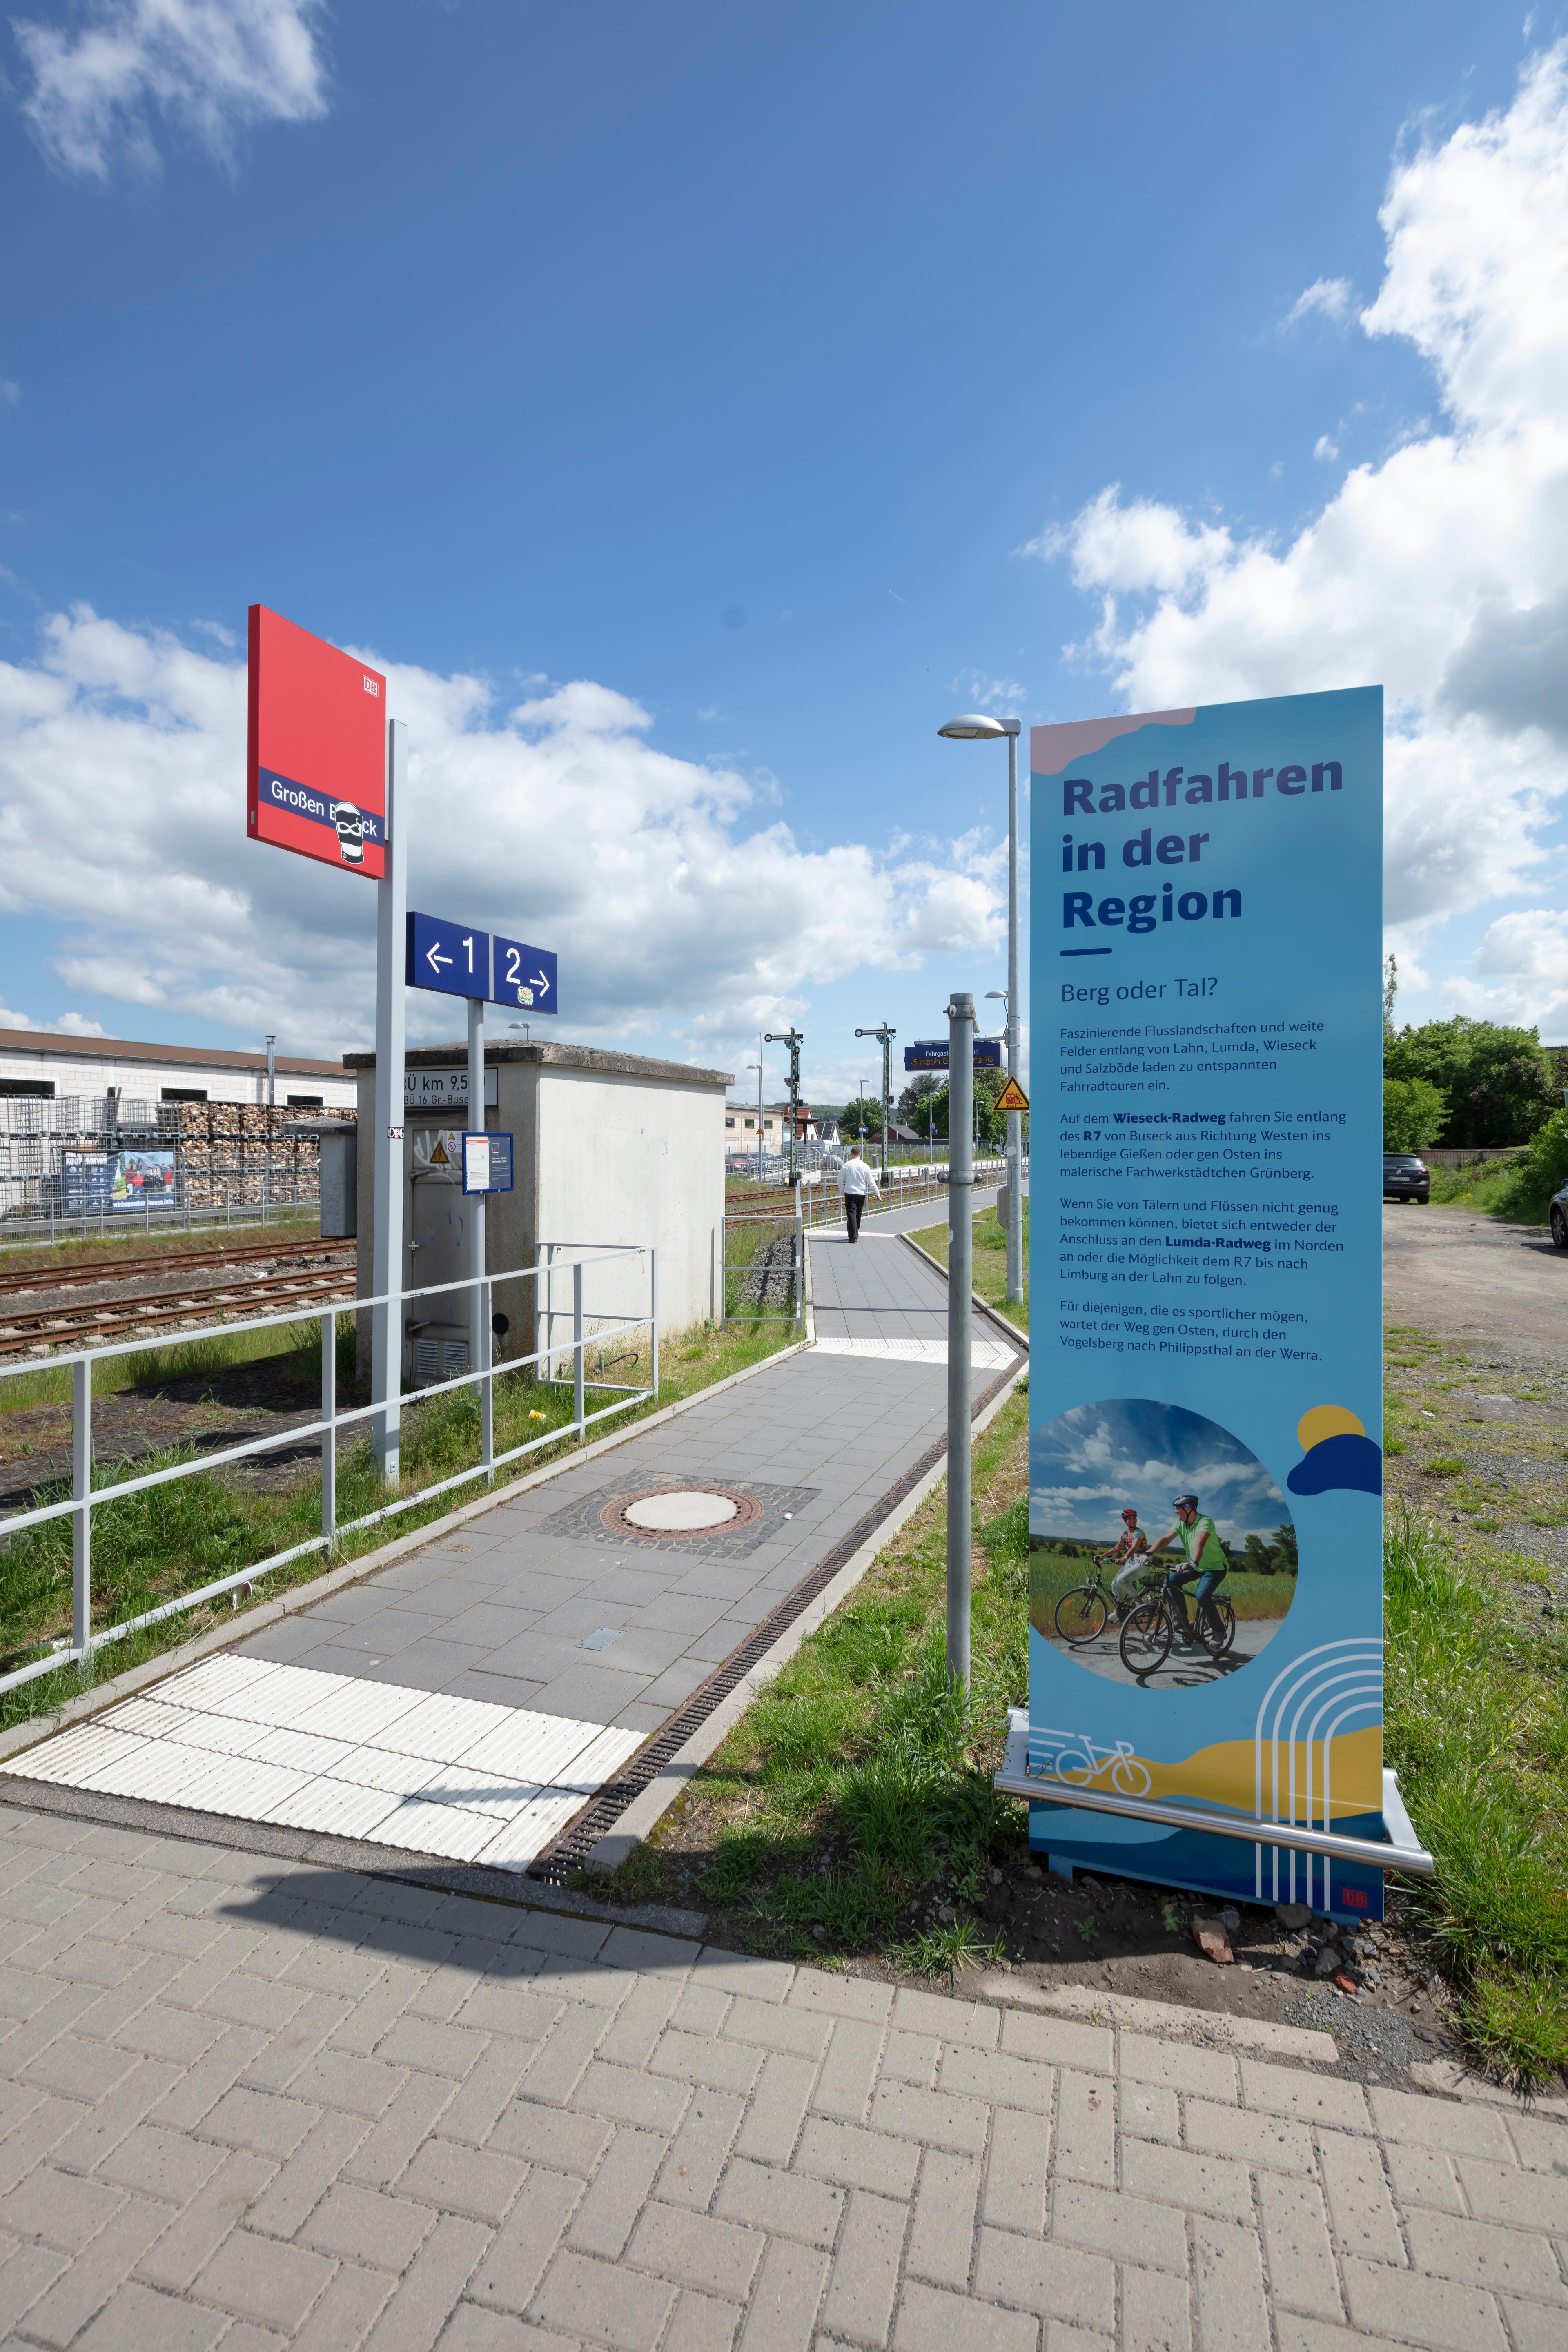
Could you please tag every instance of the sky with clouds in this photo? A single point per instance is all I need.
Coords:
(1130, 1452)
(691, 409)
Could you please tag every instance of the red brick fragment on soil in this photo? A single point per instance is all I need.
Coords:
(1212, 1939)
(1345, 1982)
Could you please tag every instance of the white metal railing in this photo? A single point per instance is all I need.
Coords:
(86, 1498)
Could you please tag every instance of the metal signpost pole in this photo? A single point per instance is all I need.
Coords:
(479, 1320)
(387, 1246)
(1014, 1118)
(960, 1254)
(794, 1038)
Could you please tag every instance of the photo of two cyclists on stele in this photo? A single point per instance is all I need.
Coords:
(1171, 1588)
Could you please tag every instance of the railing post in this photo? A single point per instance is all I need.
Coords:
(653, 1312)
(330, 1434)
(578, 1346)
(488, 1385)
(723, 1274)
(81, 1517)
(799, 1264)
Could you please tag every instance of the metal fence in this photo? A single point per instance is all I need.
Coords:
(762, 1255)
(555, 1259)
(35, 1228)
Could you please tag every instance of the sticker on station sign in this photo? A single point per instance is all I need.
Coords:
(1012, 1098)
(316, 770)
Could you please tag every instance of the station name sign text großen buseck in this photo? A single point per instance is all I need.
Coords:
(316, 766)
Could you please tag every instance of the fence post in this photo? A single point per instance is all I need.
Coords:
(799, 1264)
(330, 1434)
(653, 1312)
(577, 1347)
(723, 1274)
(81, 1517)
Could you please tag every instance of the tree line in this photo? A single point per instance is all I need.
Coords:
(1464, 1082)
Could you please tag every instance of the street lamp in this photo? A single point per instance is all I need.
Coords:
(977, 728)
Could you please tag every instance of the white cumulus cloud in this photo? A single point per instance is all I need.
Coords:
(121, 815)
(1330, 298)
(1441, 571)
(212, 69)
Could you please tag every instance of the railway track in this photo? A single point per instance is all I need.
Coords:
(134, 1317)
(77, 1273)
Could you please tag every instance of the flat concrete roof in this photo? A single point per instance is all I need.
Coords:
(558, 1057)
(123, 1049)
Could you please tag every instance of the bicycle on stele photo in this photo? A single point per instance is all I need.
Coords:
(1161, 1622)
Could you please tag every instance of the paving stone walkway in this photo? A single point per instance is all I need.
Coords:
(258, 2105)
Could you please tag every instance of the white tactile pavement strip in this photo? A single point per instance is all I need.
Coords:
(456, 1777)
(986, 1355)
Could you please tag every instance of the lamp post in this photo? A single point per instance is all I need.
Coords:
(884, 1033)
(976, 728)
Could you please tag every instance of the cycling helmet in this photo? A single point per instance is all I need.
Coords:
(1130, 1514)
(1184, 1502)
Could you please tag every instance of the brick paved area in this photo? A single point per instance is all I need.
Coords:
(255, 2104)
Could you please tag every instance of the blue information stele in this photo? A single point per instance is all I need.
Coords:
(1205, 1591)
(453, 958)
(525, 975)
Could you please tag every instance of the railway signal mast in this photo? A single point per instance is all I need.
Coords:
(887, 1036)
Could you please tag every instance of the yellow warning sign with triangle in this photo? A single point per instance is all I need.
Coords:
(1012, 1098)
(439, 1158)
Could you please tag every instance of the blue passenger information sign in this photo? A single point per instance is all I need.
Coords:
(1205, 1595)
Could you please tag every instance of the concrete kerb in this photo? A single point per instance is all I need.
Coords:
(256, 1620)
(667, 1785)
(1013, 1332)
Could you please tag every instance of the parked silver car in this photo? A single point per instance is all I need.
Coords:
(1559, 1218)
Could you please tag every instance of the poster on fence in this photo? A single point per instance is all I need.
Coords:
(1205, 1583)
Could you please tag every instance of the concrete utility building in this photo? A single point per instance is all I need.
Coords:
(607, 1148)
(40, 1065)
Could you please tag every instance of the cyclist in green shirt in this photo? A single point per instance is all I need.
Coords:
(1199, 1539)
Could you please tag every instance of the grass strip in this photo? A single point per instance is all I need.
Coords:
(178, 1537)
(1477, 1726)
(858, 1779)
(989, 1261)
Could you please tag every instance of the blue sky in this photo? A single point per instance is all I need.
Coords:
(1088, 1464)
(693, 408)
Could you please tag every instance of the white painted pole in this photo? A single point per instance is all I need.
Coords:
(479, 1316)
(386, 1246)
(960, 1259)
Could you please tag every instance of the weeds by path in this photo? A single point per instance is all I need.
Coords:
(1477, 1726)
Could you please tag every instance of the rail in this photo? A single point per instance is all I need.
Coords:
(554, 1258)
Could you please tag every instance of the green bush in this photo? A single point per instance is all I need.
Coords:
(1533, 1181)
(1414, 1111)
(1499, 1083)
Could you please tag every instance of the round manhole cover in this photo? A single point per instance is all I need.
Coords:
(682, 1511)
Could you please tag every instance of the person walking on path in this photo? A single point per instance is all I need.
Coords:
(855, 1181)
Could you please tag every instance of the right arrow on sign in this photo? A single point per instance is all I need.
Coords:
(1012, 1098)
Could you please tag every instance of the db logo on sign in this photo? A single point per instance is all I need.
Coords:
(370, 684)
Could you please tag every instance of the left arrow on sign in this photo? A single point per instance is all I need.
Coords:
(434, 961)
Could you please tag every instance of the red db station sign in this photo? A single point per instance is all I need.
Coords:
(316, 777)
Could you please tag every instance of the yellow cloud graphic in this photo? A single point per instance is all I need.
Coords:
(1327, 1420)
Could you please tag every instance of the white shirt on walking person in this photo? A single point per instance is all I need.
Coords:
(854, 1176)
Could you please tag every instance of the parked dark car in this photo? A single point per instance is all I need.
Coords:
(1559, 1218)
(1405, 1177)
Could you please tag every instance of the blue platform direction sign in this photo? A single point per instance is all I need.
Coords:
(454, 958)
(524, 975)
(930, 1053)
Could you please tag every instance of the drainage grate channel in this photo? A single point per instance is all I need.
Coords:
(559, 1864)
